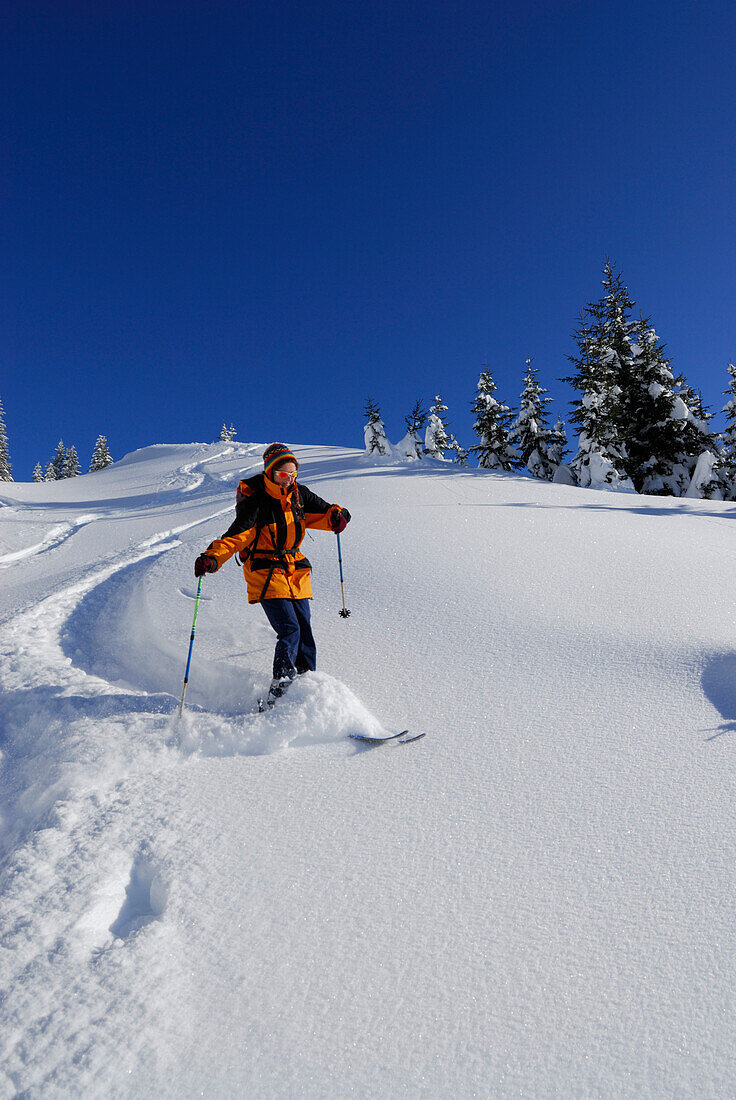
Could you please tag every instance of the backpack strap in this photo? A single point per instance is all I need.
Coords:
(259, 493)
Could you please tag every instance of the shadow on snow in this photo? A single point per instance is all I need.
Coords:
(719, 685)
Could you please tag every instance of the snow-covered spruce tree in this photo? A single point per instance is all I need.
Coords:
(376, 442)
(101, 457)
(224, 434)
(411, 446)
(700, 460)
(558, 444)
(636, 427)
(71, 463)
(602, 340)
(492, 426)
(58, 461)
(461, 455)
(37, 474)
(437, 439)
(50, 474)
(728, 455)
(707, 481)
(6, 468)
(530, 433)
(664, 438)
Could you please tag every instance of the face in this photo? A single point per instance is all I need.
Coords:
(285, 474)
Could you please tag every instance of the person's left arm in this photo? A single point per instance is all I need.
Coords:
(320, 515)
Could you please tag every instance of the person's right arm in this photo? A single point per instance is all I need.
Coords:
(237, 537)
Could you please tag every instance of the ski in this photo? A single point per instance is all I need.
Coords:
(403, 737)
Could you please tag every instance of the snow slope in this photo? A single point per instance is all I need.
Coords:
(533, 900)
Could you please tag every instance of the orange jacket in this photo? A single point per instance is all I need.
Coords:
(270, 524)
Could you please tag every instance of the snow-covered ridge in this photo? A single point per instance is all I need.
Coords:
(535, 885)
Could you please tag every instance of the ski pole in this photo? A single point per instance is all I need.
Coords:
(191, 644)
(344, 613)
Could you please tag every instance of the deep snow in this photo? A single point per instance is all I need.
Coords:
(533, 900)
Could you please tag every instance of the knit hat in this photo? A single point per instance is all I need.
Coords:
(274, 455)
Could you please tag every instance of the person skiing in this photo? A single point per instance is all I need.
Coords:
(272, 514)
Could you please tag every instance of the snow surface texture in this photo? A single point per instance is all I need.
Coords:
(534, 900)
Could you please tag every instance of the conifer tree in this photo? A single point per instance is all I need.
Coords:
(438, 438)
(411, 446)
(530, 432)
(58, 461)
(695, 440)
(461, 455)
(71, 463)
(101, 457)
(729, 437)
(557, 445)
(376, 441)
(6, 468)
(37, 474)
(416, 420)
(707, 480)
(50, 474)
(227, 435)
(492, 426)
(664, 419)
(637, 425)
(603, 347)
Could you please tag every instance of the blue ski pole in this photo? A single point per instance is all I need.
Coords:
(191, 645)
(344, 613)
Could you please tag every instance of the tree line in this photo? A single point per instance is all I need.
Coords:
(640, 428)
(65, 461)
(63, 464)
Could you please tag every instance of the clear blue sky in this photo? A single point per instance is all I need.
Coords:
(261, 211)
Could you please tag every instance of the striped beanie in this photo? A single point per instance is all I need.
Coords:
(274, 455)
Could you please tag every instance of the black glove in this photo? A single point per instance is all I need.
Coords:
(339, 520)
(204, 564)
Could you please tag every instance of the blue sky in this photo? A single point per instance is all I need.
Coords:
(261, 212)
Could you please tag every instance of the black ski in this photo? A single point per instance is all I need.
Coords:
(403, 737)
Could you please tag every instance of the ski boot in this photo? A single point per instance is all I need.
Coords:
(277, 690)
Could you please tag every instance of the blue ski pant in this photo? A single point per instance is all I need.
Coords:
(296, 650)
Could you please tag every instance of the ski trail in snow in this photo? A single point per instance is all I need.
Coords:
(59, 533)
(89, 854)
(55, 537)
(195, 475)
(82, 918)
(42, 690)
(79, 759)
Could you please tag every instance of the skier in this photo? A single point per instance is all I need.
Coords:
(272, 514)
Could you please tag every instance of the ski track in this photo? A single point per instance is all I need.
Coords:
(77, 756)
(36, 674)
(77, 759)
(81, 763)
(55, 537)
